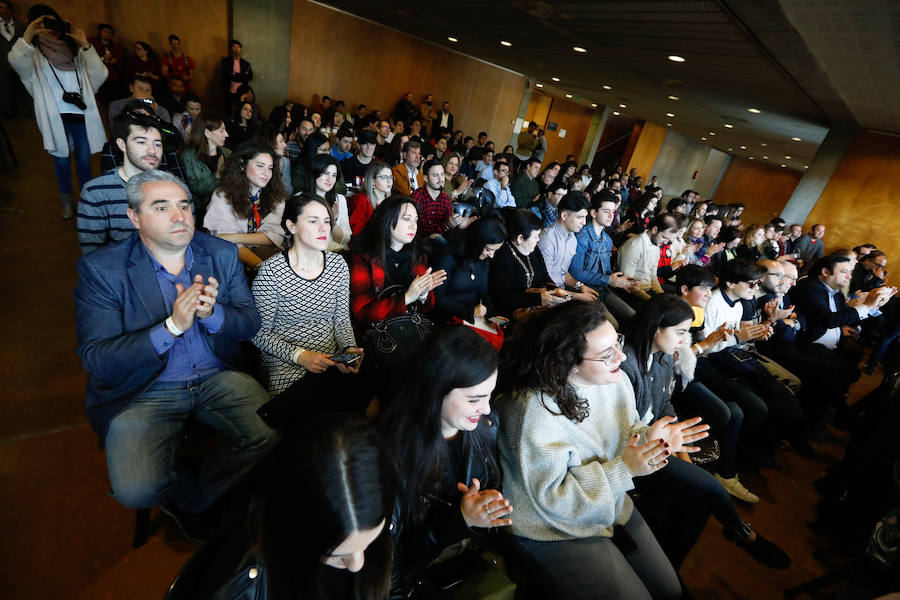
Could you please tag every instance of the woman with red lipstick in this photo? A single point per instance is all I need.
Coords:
(442, 435)
(246, 208)
(387, 255)
(303, 298)
(571, 444)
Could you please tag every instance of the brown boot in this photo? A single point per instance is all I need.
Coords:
(67, 206)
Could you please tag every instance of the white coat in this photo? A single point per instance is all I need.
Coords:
(29, 64)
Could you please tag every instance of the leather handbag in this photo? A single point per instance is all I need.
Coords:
(396, 340)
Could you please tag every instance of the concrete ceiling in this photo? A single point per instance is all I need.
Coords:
(785, 59)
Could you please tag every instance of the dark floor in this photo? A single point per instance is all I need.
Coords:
(63, 537)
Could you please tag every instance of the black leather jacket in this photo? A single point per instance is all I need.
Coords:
(444, 524)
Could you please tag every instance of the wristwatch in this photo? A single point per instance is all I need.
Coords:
(577, 286)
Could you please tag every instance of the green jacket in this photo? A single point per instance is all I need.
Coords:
(200, 180)
(524, 189)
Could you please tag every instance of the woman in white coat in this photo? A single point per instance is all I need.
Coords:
(62, 72)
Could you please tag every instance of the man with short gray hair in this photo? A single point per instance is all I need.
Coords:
(160, 318)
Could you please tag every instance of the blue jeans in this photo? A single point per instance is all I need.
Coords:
(724, 420)
(78, 143)
(594, 568)
(142, 440)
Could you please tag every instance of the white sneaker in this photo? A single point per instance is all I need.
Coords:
(734, 487)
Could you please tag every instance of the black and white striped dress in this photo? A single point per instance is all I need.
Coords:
(313, 314)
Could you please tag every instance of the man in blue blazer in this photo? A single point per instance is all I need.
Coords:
(161, 317)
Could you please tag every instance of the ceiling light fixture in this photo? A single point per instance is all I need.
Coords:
(669, 115)
(593, 105)
(712, 133)
(743, 147)
(764, 144)
(579, 49)
(729, 126)
(622, 106)
(668, 124)
(556, 79)
(805, 166)
(606, 87)
(765, 158)
(615, 112)
(568, 95)
(676, 58)
(750, 157)
(703, 138)
(731, 149)
(786, 157)
(674, 98)
(539, 85)
(796, 139)
(783, 166)
(452, 39)
(755, 111)
(505, 43)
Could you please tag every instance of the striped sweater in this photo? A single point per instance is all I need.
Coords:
(102, 216)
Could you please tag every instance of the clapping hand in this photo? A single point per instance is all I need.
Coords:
(678, 433)
(486, 508)
(646, 458)
(424, 283)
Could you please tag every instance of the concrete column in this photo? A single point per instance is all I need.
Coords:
(722, 171)
(520, 115)
(264, 28)
(817, 176)
(592, 140)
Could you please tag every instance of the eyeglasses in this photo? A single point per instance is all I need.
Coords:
(778, 276)
(753, 284)
(385, 177)
(610, 355)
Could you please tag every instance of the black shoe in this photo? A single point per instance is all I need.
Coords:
(193, 527)
(766, 553)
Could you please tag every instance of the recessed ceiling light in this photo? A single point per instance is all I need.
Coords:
(668, 124)
(669, 115)
(675, 58)
(674, 98)
(796, 139)
(743, 147)
(579, 49)
(786, 157)
(765, 158)
(452, 39)
(568, 95)
(539, 85)
(615, 112)
(731, 149)
(606, 87)
(750, 157)
(805, 166)
(505, 43)
(755, 111)
(622, 106)
(555, 79)
(703, 138)
(729, 126)
(783, 166)
(712, 133)
(764, 144)
(593, 105)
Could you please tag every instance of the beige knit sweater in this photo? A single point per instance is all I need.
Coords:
(564, 479)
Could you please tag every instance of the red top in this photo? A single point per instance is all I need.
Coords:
(433, 212)
(360, 212)
(367, 281)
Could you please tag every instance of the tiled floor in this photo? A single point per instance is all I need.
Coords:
(63, 537)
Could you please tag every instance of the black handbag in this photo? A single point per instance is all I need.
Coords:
(394, 341)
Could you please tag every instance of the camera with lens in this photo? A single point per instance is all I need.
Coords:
(75, 99)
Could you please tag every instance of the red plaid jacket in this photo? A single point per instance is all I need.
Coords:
(367, 281)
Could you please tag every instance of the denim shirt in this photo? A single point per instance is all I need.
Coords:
(592, 263)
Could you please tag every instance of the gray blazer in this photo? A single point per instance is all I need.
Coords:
(651, 390)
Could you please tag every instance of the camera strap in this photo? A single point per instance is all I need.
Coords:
(53, 70)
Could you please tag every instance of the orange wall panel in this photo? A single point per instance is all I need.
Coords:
(646, 149)
(576, 120)
(764, 190)
(861, 203)
(374, 65)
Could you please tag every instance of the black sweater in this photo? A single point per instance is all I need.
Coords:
(508, 280)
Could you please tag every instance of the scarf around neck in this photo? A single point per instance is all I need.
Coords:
(58, 52)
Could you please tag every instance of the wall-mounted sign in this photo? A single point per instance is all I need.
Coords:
(562, 133)
(552, 125)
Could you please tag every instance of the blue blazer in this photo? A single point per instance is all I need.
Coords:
(118, 302)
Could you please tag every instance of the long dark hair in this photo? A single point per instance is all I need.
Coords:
(454, 357)
(293, 208)
(542, 351)
(660, 311)
(375, 238)
(197, 138)
(236, 186)
(317, 166)
(323, 484)
(467, 244)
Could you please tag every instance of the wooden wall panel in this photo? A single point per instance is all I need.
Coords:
(646, 149)
(374, 65)
(861, 203)
(576, 120)
(762, 188)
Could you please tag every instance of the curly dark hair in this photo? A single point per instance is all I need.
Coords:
(237, 188)
(542, 352)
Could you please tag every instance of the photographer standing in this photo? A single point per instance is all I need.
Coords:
(62, 72)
